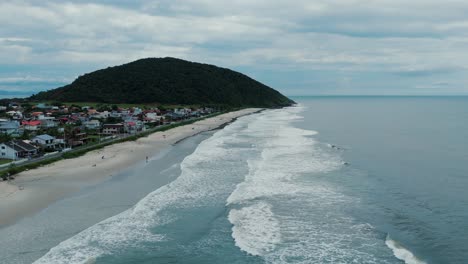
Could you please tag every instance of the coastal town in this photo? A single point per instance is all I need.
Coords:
(30, 132)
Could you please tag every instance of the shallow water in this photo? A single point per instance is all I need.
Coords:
(33, 236)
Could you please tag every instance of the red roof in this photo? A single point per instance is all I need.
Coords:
(31, 123)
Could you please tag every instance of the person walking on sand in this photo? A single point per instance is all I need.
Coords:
(146, 159)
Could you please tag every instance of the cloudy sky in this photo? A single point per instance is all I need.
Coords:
(302, 47)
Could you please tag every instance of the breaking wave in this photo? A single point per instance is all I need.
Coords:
(402, 253)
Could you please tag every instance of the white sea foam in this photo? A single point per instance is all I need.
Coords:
(284, 154)
(197, 184)
(402, 253)
(281, 214)
(255, 228)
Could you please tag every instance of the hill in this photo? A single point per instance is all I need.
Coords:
(167, 81)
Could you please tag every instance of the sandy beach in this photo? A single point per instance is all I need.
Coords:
(19, 198)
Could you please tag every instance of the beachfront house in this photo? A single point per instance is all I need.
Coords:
(133, 126)
(112, 129)
(45, 141)
(152, 118)
(174, 116)
(17, 149)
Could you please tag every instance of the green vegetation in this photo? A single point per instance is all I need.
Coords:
(5, 161)
(15, 169)
(167, 81)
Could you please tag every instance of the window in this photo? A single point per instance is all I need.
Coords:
(3, 147)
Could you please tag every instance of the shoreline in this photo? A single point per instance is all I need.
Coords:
(26, 195)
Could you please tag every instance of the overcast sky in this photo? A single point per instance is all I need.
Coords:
(303, 47)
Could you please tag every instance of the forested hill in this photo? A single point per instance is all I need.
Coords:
(167, 81)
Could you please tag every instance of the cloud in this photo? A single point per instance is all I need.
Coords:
(393, 39)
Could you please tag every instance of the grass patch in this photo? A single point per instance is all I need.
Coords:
(15, 169)
(5, 161)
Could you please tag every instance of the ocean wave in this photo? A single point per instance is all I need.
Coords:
(402, 253)
(255, 229)
(198, 184)
(286, 153)
(281, 213)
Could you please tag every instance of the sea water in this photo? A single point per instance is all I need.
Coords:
(331, 180)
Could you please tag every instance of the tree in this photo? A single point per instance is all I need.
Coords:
(4, 137)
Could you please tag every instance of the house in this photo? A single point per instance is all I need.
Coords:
(92, 111)
(47, 123)
(15, 114)
(173, 116)
(10, 128)
(152, 118)
(78, 139)
(31, 125)
(112, 129)
(137, 111)
(37, 115)
(115, 114)
(45, 141)
(182, 111)
(17, 149)
(132, 126)
(92, 124)
(104, 114)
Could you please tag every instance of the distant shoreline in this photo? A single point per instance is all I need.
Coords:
(19, 198)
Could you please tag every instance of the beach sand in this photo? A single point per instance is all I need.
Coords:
(34, 190)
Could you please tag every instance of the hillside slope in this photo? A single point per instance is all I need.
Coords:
(167, 81)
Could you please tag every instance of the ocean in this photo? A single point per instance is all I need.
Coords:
(331, 180)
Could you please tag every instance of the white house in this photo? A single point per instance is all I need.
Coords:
(15, 114)
(92, 124)
(104, 114)
(10, 128)
(48, 123)
(17, 149)
(137, 111)
(45, 141)
(31, 125)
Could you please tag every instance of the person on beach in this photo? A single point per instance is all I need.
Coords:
(146, 159)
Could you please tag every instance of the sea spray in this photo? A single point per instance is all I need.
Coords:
(401, 252)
